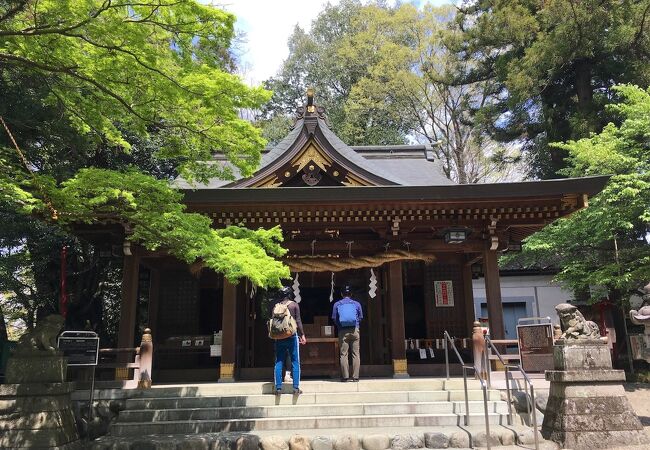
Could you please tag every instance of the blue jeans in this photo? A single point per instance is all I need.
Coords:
(282, 346)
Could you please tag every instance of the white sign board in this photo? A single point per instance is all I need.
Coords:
(444, 293)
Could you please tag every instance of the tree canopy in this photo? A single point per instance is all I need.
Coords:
(605, 248)
(386, 76)
(108, 101)
(118, 65)
(554, 64)
(323, 58)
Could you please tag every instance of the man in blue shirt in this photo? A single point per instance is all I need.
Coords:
(346, 315)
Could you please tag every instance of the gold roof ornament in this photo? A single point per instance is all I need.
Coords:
(311, 108)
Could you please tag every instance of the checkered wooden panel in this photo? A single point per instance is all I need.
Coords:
(179, 304)
(451, 318)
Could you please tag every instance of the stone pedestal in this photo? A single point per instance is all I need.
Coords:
(36, 369)
(35, 407)
(587, 407)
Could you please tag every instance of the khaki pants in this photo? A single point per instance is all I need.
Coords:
(349, 339)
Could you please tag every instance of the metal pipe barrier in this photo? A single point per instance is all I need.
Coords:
(530, 400)
(484, 387)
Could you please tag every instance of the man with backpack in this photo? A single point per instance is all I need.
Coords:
(285, 328)
(346, 315)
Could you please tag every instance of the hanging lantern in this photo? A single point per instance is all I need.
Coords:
(456, 235)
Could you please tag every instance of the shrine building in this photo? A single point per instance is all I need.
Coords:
(383, 219)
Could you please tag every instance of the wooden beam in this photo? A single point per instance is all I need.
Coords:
(229, 332)
(493, 293)
(375, 245)
(397, 332)
(474, 260)
(362, 222)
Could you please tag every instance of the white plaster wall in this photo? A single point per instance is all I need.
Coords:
(538, 291)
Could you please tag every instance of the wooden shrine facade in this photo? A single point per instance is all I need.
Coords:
(347, 214)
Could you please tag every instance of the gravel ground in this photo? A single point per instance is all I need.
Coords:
(639, 396)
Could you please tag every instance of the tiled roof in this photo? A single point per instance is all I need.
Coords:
(348, 153)
(405, 165)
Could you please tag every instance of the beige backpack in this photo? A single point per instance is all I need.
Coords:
(282, 324)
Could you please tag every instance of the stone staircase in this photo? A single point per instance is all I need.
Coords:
(371, 414)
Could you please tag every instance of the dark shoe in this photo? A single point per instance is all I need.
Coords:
(278, 392)
(344, 380)
(297, 391)
(355, 380)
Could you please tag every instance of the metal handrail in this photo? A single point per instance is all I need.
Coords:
(530, 401)
(477, 374)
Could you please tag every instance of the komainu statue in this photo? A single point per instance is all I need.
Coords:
(642, 316)
(574, 325)
(43, 337)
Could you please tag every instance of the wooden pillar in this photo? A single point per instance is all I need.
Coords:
(493, 293)
(130, 272)
(468, 292)
(397, 332)
(154, 300)
(229, 329)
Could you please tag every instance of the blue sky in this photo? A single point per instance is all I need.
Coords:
(268, 24)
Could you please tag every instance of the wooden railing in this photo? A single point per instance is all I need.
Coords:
(122, 360)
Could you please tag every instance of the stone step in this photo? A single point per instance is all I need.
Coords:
(298, 423)
(395, 438)
(342, 409)
(320, 386)
(308, 398)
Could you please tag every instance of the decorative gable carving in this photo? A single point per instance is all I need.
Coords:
(314, 156)
(314, 166)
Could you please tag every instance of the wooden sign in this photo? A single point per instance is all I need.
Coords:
(637, 344)
(444, 293)
(81, 348)
(536, 347)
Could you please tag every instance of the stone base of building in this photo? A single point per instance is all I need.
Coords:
(37, 414)
(587, 407)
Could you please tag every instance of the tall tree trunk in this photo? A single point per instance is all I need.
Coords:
(558, 128)
(584, 89)
(3, 327)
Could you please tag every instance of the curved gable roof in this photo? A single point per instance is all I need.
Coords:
(311, 138)
(312, 129)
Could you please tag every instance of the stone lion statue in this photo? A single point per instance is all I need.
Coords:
(642, 316)
(43, 337)
(574, 325)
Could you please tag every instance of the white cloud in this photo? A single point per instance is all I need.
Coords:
(268, 25)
